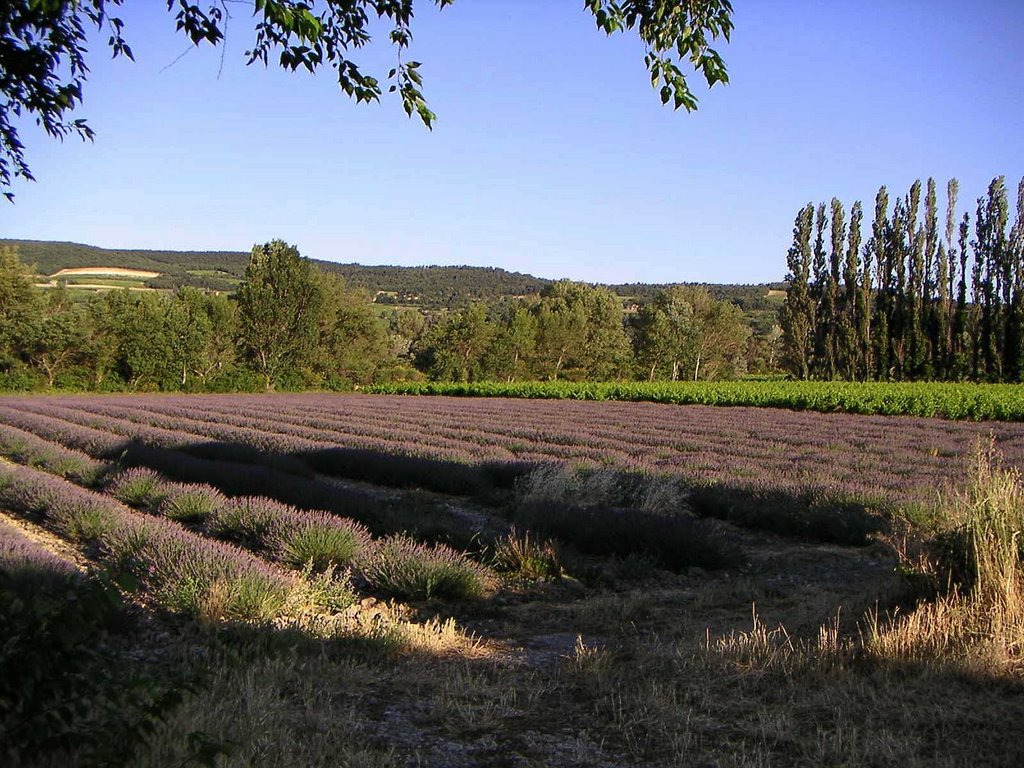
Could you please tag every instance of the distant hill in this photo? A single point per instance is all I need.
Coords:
(426, 286)
(214, 270)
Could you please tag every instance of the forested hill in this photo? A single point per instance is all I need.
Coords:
(221, 270)
(426, 286)
(434, 285)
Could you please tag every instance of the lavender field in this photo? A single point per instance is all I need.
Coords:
(472, 565)
(367, 437)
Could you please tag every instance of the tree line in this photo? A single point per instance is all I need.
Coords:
(924, 296)
(290, 325)
(576, 331)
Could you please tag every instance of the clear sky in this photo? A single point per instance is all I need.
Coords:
(551, 154)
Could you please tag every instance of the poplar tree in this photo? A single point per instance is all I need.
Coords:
(820, 267)
(990, 258)
(915, 288)
(916, 301)
(945, 278)
(897, 245)
(852, 351)
(931, 238)
(917, 345)
(797, 313)
(930, 307)
(962, 319)
(831, 319)
(1015, 328)
(879, 247)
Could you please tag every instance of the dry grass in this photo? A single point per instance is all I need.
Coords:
(974, 559)
(762, 697)
(277, 711)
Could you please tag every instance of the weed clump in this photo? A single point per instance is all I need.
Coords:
(526, 557)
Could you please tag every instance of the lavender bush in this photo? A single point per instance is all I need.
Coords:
(674, 541)
(191, 504)
(407, 569)
(139, 487)
(291, 535)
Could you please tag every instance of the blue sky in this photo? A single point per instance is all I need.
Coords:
(551, 154)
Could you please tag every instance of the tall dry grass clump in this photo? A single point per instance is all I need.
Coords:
(975, 559)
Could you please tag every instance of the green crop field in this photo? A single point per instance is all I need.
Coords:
(977, 402)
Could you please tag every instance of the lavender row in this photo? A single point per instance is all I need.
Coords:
(245, 480)
(93, 442)
(292, 536)
(755, 453)
(237, 479)
(176, 568)
(175, 436)
(23, 559)
(268, 437)
(297, 538)
(28, 448)
(385, 461)
(428, 460)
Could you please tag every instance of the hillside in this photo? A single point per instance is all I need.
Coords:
(425, 286)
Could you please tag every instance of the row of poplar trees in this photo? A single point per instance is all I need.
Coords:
(917, 300)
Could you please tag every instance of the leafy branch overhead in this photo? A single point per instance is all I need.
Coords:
(674, 31)
(44, 67)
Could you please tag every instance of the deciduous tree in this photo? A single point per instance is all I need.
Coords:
(280, 301)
